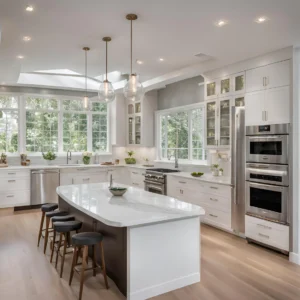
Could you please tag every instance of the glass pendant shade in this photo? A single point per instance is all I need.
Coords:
(106, 92)
(86, 103)
(133, 90)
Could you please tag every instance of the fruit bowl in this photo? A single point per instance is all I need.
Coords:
(118, 191)
(197, 174)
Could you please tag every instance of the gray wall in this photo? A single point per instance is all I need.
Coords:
(181, 93)
(43, 91)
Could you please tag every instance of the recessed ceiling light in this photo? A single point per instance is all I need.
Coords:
(139, 62)
(26, 38)
(261, 19)
(29, 8)
(161, 59)
(20, 56)
(221, 23)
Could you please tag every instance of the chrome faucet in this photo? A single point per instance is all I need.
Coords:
(176, 159)
(69, 156)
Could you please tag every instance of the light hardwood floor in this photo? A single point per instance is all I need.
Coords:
(231, 269)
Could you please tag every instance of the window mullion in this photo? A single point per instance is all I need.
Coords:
(190, 135)
(60, 126)
(22, 124)
(89, 131)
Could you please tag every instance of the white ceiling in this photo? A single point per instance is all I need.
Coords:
(172, 29)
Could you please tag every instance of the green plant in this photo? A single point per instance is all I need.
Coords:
(49, 155)
(215, 166)
(221, 170)
(130, 153)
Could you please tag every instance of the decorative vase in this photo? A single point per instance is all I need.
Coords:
(220, 173)
(50, 162)
(86, 160)
(215, 172)
(130, 160)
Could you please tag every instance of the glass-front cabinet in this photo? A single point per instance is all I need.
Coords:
(225, 86)
(134, 123)
(211, 117)
(218, 123)
(238, 83)
(211, 90)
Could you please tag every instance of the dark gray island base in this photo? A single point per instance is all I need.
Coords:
(115, 245)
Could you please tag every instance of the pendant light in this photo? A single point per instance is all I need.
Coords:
(106, 92)
(133, 89)
(86, 104)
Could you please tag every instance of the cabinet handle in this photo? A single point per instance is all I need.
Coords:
(182, 182)
(134, 172)
(266, 114)
(264, 81)
(11, 181)
(267, 81)
(135, 183)
(214, 216)
(9, 196)
(264, 226)
(263, 115)
(212, 199)
(214, 188)
(264, 235)
(83, 169)
(11, 173)
(86, 179)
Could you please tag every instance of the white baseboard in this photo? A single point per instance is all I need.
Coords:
(294, 258)
(164, 287)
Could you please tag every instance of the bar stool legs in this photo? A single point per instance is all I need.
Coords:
(84, 264)
(41, 228)
(46, 233)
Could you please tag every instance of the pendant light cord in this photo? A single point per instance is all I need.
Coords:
(86, 73)
(106, 60)
(131, 47)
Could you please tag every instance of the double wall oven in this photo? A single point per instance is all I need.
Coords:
(267, 172)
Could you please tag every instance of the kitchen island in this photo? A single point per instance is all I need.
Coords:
(151, 241)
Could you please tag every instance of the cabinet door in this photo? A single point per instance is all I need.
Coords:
(255, 79)
(277, 105)
(130, 130)
(238, 83)
(137, 129)
(211, 122)
(254, 108)
(278, 74)
(224, 123)
(211, 89)
(225, 86)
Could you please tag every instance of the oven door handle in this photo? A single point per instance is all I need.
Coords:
(265, 138)
(267, 187)
(154, 187)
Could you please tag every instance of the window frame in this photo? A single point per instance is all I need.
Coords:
(21, 97)
(188, 109)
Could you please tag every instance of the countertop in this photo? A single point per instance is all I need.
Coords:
(136, 207)
(205, 178)
(77, 166)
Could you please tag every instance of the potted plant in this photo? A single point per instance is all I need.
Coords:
(130, 160)
(86, 157)
(49, 157)
(215, 169)
(221, 171)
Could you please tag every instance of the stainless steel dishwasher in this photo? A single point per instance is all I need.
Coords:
(43, 186)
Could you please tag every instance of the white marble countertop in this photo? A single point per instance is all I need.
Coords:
(62, 166)
(205, 178)
(136, 207)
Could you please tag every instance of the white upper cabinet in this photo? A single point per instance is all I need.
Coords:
(268, 77)
(254, 108)
(270, 106)
(238, 83)
(277, 103)
(211, 88)
(225, 86)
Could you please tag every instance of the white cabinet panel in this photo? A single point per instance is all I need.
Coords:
(255, 79)
(14, 198)
(217, 218)
(14, 184)
(6, 173)
(278, 74)
(269, 233)
(277, 104)
(254, 108)
(137, 178)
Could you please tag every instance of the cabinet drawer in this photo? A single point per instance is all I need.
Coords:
(12, 199)
(14, 173)
(136, 184)
(217, 217)
(217, 189)
(218, 202)
(269, 233)
(14, 184)
(140, 172)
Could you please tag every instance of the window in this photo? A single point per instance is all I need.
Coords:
(182, 131)
(9, 115)
(41, 124)
(55, 124)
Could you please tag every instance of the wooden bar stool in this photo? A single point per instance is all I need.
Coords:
(58, 219)
(84, 240)
(49, 215)
(45, 208)
(64, 229)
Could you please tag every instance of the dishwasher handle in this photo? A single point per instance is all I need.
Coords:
(44, 171)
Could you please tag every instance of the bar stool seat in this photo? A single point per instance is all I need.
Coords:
(49, 207)
(45, 208)
(87, 238)
(64, 229)
(62, 218)
(84, 240)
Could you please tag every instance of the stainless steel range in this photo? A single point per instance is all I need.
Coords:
(156, 180)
